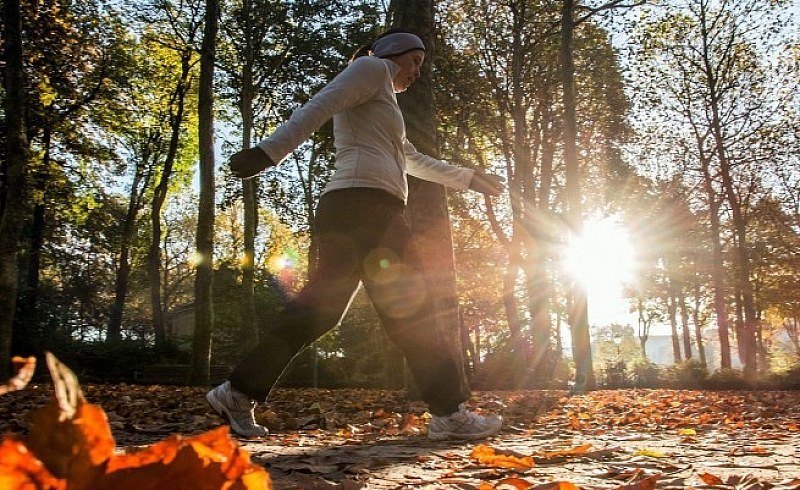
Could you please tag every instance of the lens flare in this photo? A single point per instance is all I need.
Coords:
(602, 257)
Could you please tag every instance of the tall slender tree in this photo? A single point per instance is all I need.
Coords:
(250, 186)
(142, 173)
(204, 315)
(579, 314)
(15, 181)
(178, 33)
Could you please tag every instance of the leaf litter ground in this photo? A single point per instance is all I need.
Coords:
(630, 439)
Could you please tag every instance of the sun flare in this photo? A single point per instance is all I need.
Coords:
(602, 258)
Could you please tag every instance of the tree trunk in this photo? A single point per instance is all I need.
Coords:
(512, 317)
(249, 328)
(579, 314)
(747, 337)
(28, 329)
(114, 330)
(203, 285)
(17, 162)
(178, 102)
(738, 324)
(698, 327)
(522, 160)
(717, 268)
(541, 342)
(747, 341)
(643, 326)
(470, 355)
(540, 289)
(427, 202)
(673, 324)
(685, 333)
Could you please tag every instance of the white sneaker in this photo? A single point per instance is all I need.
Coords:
(237, 408)
(463, 425)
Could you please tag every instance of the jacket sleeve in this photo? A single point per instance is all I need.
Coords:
(355, 85)
(428, 168)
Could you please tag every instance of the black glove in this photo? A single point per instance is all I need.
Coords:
(486, 183)
(247, 163)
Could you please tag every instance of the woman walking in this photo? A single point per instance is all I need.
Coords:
(363, 238)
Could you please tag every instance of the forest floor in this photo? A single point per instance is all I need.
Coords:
(349, 439)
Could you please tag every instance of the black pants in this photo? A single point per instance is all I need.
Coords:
(363, 237)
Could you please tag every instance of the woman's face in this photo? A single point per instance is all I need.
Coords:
(410, 64)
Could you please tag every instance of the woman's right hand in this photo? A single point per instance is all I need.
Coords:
(247, 163)
(489, 184)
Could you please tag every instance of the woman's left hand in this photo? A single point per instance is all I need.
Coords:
(247, 163)
(487, 183)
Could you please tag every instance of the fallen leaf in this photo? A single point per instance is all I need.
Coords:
(710, 479)
(575, 451)
(71, 437)
(650, 453)
(24, 367)
(70, 446)
(648, 483)
(211, 460)
(490, 457)
(518, 483)
(19, 469)
(556, 485)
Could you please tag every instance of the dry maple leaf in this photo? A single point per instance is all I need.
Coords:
(70, 446)
(488, 456)
(556, 485)
(20, 470)
(518, 483)
(575, 451)
(710, 479)
(211, 460)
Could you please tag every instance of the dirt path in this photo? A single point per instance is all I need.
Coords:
(737, 459)
(631, 439)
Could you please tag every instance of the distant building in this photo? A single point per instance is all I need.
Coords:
(180, 326)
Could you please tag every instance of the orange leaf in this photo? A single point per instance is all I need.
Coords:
(517, 483)
(71, 437)
(75, 450)
(19, 469)
(489, 457)
(556, 485)
(210, 460)
(567, 452)
(710, 479)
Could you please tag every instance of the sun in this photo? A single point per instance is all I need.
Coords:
(602, 260)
